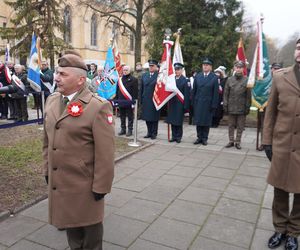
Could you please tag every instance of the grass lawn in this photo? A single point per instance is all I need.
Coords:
(21, 178)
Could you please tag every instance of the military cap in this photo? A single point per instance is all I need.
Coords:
(72, 60)
(178, 65)
(153, 62)
(207, 60)
(239, 63)
(276, 65)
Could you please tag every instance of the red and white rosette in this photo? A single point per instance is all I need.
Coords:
(75, 109)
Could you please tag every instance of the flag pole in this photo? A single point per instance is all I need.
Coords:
(167, 35)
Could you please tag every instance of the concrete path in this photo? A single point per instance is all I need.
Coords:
(172, 196)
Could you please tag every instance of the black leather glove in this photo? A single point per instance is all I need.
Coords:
(46, 178)
(268, 151)
(98, 196)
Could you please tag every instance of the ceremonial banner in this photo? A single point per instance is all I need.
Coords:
(117, 57)
(34, 68)
(165, 87)
(240, 55)
(108, 84)
(177, 56)
(263, 78)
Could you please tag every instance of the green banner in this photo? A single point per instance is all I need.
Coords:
(262, 87)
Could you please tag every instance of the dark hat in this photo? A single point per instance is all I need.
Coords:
(276, 65)
(178, 65)
(153, 62)
(239, 64)
(72, 60)
(298, 41)
(207, 60)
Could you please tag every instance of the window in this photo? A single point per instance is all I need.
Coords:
(67, 24)
(131, 42)
(94, 30)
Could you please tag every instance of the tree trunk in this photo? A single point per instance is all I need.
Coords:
(138, 32)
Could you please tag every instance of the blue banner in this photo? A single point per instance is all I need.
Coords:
(34, 68)
(108, 86)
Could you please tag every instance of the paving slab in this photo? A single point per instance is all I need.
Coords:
(208, 182)
(250, 182)
(171, 233)
(200, 195)
(15, 228)
(38, 211)
(49, 236)
(228, 230)
(185, 171)
(189, 212)
(253, 171)
(27, 245)
(265, 220)
(240, 210)
(260, 240)
(142, 210)
(119, 197)
(122, 231)
(147, 245)
(163, 164)
(132, 183)
(109, 246)
(244, 194)
(202, 243)
(218, 172)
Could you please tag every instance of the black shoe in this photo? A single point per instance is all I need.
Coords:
(172, 140)
(238, 146)
(153, 137)
(147, 136)
(129, 133)
(122, 132)
(291, 243)
(61, 229)
(276, 240)
(198, 141)
(204, 143)
(229, 145)
(178, 140)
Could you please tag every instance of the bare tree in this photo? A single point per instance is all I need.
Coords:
(125, 15)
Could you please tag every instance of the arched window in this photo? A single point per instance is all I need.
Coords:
(67, 24)
(94, 30)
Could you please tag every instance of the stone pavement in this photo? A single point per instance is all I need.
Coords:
(172, 196)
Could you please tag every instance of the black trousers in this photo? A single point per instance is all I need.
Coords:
(202, 132)
(88, 237)
(176, 132)
(152, 128)
(4, 105)
(129, 113)
(21, 109)
(283, 220)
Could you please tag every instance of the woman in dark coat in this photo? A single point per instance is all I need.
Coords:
(177, 106)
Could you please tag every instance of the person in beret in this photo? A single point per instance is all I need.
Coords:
(205, 98)
(177, 106)
(78, 155)
(236, 103)
(281, 140)
(149, 113)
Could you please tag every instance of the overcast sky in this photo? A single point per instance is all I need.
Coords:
(282, 17)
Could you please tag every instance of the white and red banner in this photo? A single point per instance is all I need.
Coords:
(166, 87)
(177, 56)
(117, 57)
(241, 56)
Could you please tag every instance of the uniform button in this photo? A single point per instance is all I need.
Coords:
(297, 114)
(295, 133)
(54, 169)
(54, 188)
(54, 149)
(57, 126)
(293, 150)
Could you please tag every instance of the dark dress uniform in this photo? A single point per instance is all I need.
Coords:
(176, 109)
(205, 101)
(149, 112)
(131, 85)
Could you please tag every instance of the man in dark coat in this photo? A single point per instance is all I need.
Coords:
(205, 99)
(149, 112)
(177, 106)
(237, 103)
(5, 80)
(281, 140)
(127, 89)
